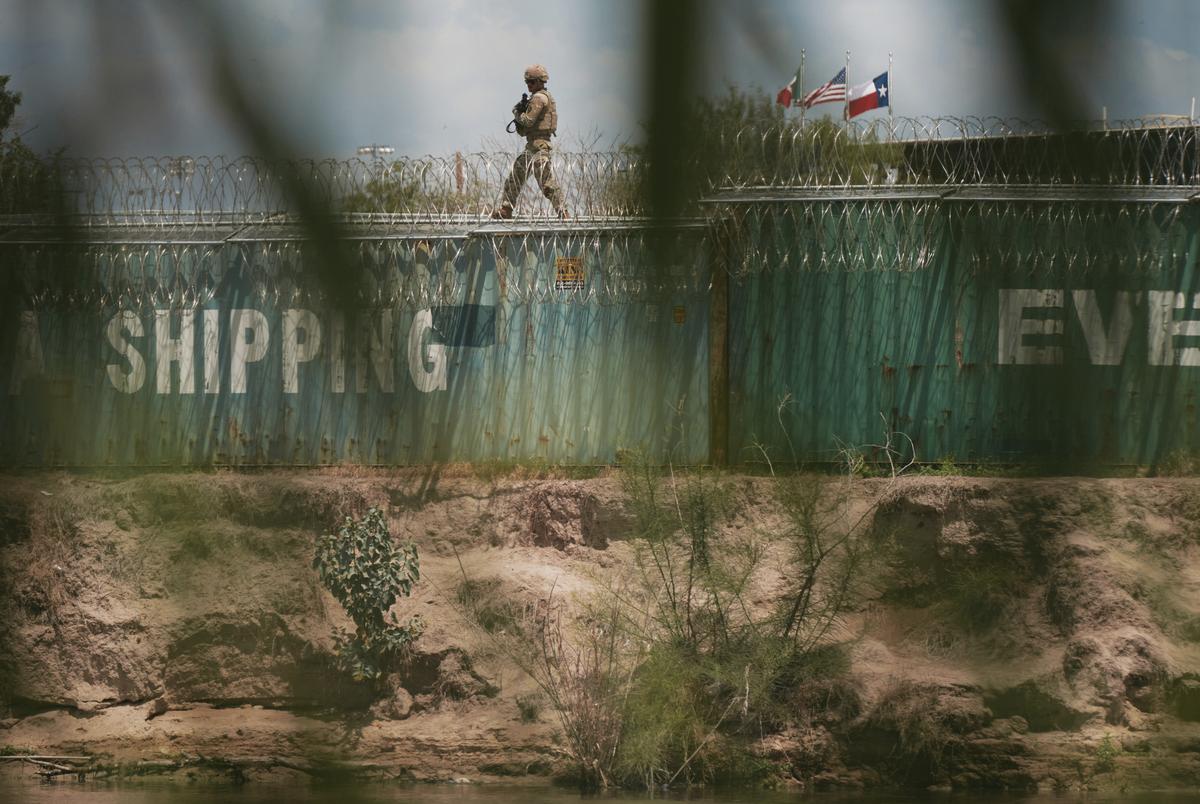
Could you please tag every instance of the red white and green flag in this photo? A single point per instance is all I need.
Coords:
(788, 95)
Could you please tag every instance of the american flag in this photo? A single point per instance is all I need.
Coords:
(833, 90)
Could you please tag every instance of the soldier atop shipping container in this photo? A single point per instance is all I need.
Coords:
(536, 119)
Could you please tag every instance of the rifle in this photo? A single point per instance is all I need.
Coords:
(519, 109)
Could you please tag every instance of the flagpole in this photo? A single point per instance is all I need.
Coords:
(891, 117)
(800, 89)
(890, 110)
(846, 93)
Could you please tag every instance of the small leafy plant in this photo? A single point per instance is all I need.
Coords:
(366, 571)
(1106, 755)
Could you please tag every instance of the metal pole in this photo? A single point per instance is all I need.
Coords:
(846, 93)
(800, 89)
(1196, 162)
(891, 117)
(889, 84)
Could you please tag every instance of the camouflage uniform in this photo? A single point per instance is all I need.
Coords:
(537, 124)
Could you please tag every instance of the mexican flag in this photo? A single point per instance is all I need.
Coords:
(789, 93)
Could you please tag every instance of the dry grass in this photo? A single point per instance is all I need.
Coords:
(46, 582)
(911, 711)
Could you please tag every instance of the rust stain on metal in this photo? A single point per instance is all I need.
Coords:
(958, 344)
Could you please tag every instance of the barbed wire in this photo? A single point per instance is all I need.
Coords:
(1025, 237)
(884, 153)
(621, 266)
(199, 191)
(516, 269)
(904, 195)
(927, 151)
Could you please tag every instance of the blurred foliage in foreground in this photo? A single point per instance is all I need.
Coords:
(31, 184)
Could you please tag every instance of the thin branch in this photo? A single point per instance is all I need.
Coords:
(707, 738)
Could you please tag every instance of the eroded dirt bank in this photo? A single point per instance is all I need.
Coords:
(1013, 634)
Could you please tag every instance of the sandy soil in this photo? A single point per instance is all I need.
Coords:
(1049, 628)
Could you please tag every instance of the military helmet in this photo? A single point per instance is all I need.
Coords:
(536, 72)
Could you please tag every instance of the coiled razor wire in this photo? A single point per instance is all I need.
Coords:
(1026, 237)
(886, 153)
(628, 265)
(516, 268)
(902, 195)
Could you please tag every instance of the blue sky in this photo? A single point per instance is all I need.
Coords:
(130, 77)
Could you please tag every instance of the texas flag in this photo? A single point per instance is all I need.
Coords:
(868, 96)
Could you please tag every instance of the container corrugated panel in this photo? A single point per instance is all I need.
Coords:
(1058, 330)
(244, 361)
(1000, 344)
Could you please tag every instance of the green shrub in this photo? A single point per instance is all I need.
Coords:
(693, 586)
(361, 566)
(666, 715)
(814, 687)
(1106, 755)
(671, 675)
(944, 466)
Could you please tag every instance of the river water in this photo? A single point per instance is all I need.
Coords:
(36, 792)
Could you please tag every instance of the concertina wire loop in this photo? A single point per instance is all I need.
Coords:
(883, 195)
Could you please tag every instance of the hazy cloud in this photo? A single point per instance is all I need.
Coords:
(123, 78)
